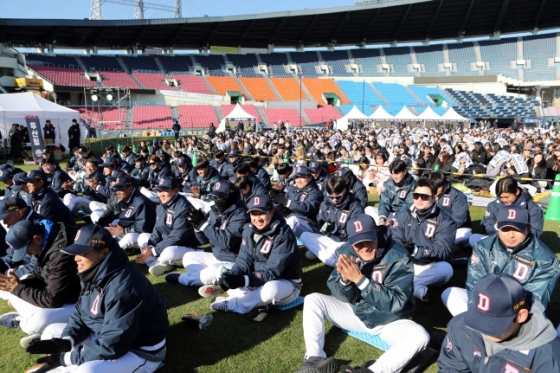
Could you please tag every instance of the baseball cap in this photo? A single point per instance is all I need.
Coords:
(314, 167)
(344, 172)
(115, 174)
(222, 189)
(233, 153)
(6, 173)
(19, 236)
(35, 175)
(122, 182)
(89, 237)
(260, 202)
(167, 183)
(360, 228)
(301, 171)
(82, 150)
(109, 161)
(497, 297)
(182, 161)
(513, 216)
(10, 204)
(46, 151)
(19, 181)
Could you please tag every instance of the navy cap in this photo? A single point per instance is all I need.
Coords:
(361, 228)
(6, 173)
(19, 236)
(233, 153)
(314, 167)
(115, 174)
(123, 182)
(167, 183)
(89, 237)
(222, 189)
(82, 150)
(497, 297)
(182, 161)
(10, 204)
(344, 172)
(35, 175)
(301, 171)
(513, 216)
(260, 202)
(109, 161)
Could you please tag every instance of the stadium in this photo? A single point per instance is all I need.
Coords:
(425, 62)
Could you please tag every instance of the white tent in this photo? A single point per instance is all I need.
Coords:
(381, 113)
(14, 107)
(451, 114)
(236, 113)
(355, 113)
(429, 114)
(405, 114)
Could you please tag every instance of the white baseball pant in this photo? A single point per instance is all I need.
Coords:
(128, 363)
(374, 213)
(323, 247)
(455, 299)
(462, 236)
(169, 255)
(405, 336)
(34, 319)
(474, 238)
(153, 196)
(435, 273)
(75, 203)
(298, 225)
(202, 268)
(279, 292)
(97, 209)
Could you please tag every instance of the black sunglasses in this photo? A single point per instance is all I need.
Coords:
(423, 197)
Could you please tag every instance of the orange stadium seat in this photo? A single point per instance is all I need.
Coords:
(259, 89)
(226, 109)
(64, 76)
(197, 116)
(112, 118)
(190, 83)
(118, 79)
(222, 84)
(284, 115)
(148, 117)
(288, 88)
(322, 114)
(317, 87)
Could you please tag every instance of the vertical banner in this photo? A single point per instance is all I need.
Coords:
(36, 136)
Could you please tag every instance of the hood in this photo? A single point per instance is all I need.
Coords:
(522, 200)
(346, 201)
(115, 262)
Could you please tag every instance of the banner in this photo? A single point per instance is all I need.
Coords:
(35, 136)
(221, 49)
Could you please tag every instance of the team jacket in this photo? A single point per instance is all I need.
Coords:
(322, 179)
(129, 159)
(138, 213)
(141, 174)
(206, 184)
(272, 255)
(56, 179)
(224, 231)
(464, 351)
(54, 281)
(264, 178)
(394, 198)
(535, 215)
(186, 179)
(87, 191)
(171, 228)
(72, 162)
(432, 236)
(124, 311)
(112, 212)
(332, 219)
(531, 263)
(384, 294)
(104, 191)
(455, 204)
(47, 204)
(355, 187)
(304, 202)
(155, 175)
(224, 168)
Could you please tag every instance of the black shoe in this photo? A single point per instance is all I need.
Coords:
(315, 364)
(422, 360)
(436, 340)
(459, 263)
(368, 364)
(349, 369)
(259, 313)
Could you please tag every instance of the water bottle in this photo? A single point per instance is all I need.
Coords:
(134, 148)
(436, 167)
(119, 148)
(346, 162)
(194, 157)
(286, 158)
(150, 148)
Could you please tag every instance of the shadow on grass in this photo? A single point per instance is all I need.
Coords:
(550, 239)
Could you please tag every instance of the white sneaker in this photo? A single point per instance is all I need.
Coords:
(10, 320)
(26, 341)
(219, 304)
(159, 269)
(209, 291)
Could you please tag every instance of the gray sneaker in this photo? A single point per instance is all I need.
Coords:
(315, 364)
(219, 304)
(10, 320)
(159, 269)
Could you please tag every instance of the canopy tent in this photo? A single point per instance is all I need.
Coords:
(236, 113)
(405, 114)
(381, 113)
(451, 114)
(14, 107)
(429, 114)
(354, 113)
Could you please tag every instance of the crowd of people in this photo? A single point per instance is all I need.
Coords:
(233, 210)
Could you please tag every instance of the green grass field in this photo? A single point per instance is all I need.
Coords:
(233, 343)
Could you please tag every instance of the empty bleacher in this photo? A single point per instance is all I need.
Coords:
(111, 118)
(307, 61)
(288, 88)
(400, 58)
(117, 79)
(337, 60)
(223, 84)
(54, 61)
(192, 83)
(152, 81)
(226, 109)
(64, 76)
(317, 87)
(276, 63)
(462, 55)
(356, 91)
(538, 49)
(149, 117)
(395, 94)
(430, 56)
(177, 64)
(259, 89)
(322, 114)
(141, 63)
(369, 59)
(284, 115)
(499, 53)
(245, 64)
(197, 116)
(213, 64)
(423, 91)
(101, 63)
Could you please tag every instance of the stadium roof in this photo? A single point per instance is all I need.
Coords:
(378, 23)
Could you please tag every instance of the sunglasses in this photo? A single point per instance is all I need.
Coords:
(152, 163)
(423, 197)
(336, 197)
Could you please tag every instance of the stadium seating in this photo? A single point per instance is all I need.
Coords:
(101, 63)
(141, 63)
(307, 61)
(337, 60)
(244, 63)
(191, 83)
(395, 94)
(400, 58)
(275, 63)
(355, 91)
(284, 115)
(430, 56)
(150, 117)
(317, 87)
(288, 88)
(118, 79)
(226, 109)
(462, 55)
(152, 81)
(197, 116)
(322, 114)
(538, 49)
(423, 91)
(223, 84)
(213, 64)
(111, 118)
(499, 53)
(54, 61)
(64, 76)
(177, 64)
(369, 60)
(259, 89)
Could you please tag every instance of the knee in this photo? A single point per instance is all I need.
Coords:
(188, 259)
(446, 270)
(445, 295)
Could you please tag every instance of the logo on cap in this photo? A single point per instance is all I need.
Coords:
(217, 185)
(161, 181)
(511, 214)
(358, 226)
(78, 235)
(257, 201)
(483, 302)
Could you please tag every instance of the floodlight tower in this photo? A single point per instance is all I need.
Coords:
(139, 11)
(178, 12)
(95, 10)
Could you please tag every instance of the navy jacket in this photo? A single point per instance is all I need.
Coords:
(455, 204)
(47, 204)
(72, 162)
(355, 187)
(138, 213)
(332, 219)
(141, 174)
(395, 199)
(272, 255)
(264, 178)
(224, 230)
(304, 202)
(322, 179)
(122, 308)
(171, 228)
(384, 294)
(224, 168)
(155, 175)
(186, 179)
(56, 179)
(432, 236)
(87, 191)
(206, 184)
(535, 215)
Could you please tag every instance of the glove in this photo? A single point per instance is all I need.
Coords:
(409, 246)
(195, 217)
(279, 198)
(49, 346)
(232, 281)
(49, 362)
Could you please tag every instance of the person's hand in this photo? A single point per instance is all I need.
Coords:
(49, 346)
(409, 246)
(115, 230)
(279, 198)
(145, 253)
(348, 268)
(8, 283)
(279, 186)
(92, 183)
(10, 272)
(232, 281)
(195, 216)
(196, 191)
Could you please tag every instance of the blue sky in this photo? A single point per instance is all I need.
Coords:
(79, 9)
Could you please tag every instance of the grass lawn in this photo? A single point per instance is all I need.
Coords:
(234, 343)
